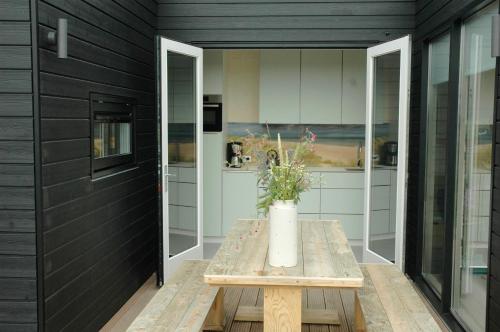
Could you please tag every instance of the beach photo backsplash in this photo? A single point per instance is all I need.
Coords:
(335, 146)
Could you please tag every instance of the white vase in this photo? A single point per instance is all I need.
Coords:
(283, 234)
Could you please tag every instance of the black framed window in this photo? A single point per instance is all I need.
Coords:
(112, 134)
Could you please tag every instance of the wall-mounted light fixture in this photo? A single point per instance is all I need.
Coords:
(495, 36)
(60, 38)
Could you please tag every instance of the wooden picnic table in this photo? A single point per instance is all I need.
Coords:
(325, 259)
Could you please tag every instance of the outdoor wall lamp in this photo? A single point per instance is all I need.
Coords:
(495, 36)
(60, 38)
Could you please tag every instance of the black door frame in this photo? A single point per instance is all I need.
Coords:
(454, 28)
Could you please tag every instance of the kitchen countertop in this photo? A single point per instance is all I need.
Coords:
(314, 169)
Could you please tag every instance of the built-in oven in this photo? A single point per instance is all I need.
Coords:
(212, 113)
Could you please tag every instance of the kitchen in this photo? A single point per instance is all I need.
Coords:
(251, 93)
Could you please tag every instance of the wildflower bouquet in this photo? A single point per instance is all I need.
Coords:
(286, 176)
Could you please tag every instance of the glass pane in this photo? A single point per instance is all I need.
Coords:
(111, 139)
(435, 163)
(477, 83)
(182, 163)
(385, 154)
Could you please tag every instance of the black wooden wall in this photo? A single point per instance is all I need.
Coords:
(99, 237)
(18, 291)
(284, 23)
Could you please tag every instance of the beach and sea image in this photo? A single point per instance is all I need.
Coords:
(335, 145)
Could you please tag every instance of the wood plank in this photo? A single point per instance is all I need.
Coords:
(241, 260)
(17, 175)
(17, 289)
(13, 128)
(17, 266)
(16, 105)
(15, 33)
(16, 152)
(282, 309)
(285, 22)
(15, 57)
(17, 198)
(17, 243)
(309, 316)
(17, 221)
(291, 9)
(404, 308)
(181, 304)
(15, 80)
(374, 315)
(15, 10)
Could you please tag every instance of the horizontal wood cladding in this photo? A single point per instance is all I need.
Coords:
(18, 283)
(285, 23)
(99, 236)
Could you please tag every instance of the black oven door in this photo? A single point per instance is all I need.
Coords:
(212, 117)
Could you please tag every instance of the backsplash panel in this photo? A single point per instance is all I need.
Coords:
(336, 145)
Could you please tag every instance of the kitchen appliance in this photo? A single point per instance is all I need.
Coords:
(234, 154)
(212, 113)
(391, 153)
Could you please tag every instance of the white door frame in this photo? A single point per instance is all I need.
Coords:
(170, 264)
(402, 45)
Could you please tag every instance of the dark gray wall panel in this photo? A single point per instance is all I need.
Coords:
(15, 10)
(18, 283)
(295, 23)
(99, 237)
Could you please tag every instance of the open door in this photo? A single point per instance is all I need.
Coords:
(180, 125)
(387, 109)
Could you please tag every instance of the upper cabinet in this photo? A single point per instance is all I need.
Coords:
(291, 86)
(354, 87)
(241, 85)
(279, 86)
(212, 72)
(321, 86)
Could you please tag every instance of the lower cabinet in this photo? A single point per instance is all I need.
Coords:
(351, 223)
(239, 197)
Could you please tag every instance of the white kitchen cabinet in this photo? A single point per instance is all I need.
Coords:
(381, 177)
(342, 201)
(212, 183)
(310, 201)
(279, 100)
(321, 86)
(380, 198)
(241, 85)
(351, 223)
(187, 218)
(187, 194)
(186, 174)
(212, 72)
(379, 222)
(309, 216)
(393, 201)
(354, 87)
(348, 180)
(239, 200)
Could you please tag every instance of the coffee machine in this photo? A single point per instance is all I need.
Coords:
(391, 153)
(234, 154)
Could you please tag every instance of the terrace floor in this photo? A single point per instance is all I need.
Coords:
(316, 298)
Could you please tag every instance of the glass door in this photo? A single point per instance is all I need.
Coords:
(474, 161)
(436, 147)
(180, 172)
(388, 78)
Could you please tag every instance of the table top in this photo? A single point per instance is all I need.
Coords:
(325, 258)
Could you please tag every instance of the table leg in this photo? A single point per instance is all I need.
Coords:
(282, 309)
(215, 319)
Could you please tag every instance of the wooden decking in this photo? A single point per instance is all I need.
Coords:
(312, 298)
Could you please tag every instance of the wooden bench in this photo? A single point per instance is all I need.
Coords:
(184, 303)
(388, 302)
